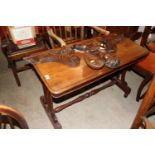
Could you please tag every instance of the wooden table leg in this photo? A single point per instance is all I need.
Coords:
(121, 83)
(47, 103)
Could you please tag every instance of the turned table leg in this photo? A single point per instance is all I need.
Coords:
(47, 103)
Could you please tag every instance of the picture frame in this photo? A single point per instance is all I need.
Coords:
(22, 36)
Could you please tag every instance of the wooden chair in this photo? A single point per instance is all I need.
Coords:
(147, 40)
(146, 67)
(62, 35)
(146, 109)
(11, 119)
(15, 51)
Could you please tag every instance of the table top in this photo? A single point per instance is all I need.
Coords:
(61, 79)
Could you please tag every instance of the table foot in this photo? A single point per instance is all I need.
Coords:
(122, 84)
(51, 115)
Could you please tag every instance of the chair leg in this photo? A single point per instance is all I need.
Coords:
(151, 110)
(142, 85)
(14, 70)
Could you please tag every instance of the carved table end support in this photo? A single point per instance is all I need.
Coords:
(51, 114)
(122, 84)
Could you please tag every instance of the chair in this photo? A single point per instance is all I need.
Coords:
(146, 67)
(146, 109)
(11, 119)
(62, 35)
(16, 46)
(148, 39)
